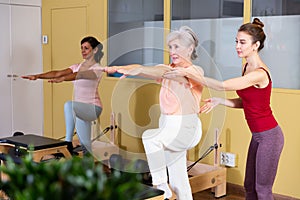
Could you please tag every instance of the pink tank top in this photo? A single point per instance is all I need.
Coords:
(85, 90)
(256, 104)
(180, 98)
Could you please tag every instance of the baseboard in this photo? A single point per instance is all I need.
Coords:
(239, 190)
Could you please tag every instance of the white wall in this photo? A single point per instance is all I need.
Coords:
(23, 2)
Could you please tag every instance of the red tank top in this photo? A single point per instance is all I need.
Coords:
(256, 104)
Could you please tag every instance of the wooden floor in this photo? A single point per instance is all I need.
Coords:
(208, 195)
(233, 193)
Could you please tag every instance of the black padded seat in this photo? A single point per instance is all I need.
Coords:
(149, 192)
(35, 141)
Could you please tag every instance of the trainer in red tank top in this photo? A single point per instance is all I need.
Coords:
(256, 104)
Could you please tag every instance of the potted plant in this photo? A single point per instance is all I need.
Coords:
(75, 178)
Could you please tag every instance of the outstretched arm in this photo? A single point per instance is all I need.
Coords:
(67, 77)
(152, 72)
(49, 75)
(195, 74)
(86, 74)
(114, 69)
(255, 77)
(214, 101)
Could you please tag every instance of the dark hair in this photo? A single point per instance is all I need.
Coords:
(94, 43)
(255, 29)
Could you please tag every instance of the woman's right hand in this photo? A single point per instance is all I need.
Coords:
(114, 69)
(210, 104)
(30, 77)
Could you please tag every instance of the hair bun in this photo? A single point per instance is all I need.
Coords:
(188, 30)
(258, 22)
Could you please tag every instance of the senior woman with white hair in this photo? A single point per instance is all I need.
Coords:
(179, 128)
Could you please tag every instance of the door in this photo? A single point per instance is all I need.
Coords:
(21, 106)
(27, 96)
(5, 70)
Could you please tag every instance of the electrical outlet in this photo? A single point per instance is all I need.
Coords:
(228, 159)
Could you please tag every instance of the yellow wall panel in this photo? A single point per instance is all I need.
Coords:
(66, 23)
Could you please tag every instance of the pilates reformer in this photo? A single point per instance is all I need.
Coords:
(39, 146)
(20, 144)
(78, 148)
(201, 176)
(101, 150)
(204, 176)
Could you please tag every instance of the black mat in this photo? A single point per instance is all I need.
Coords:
(33, 141)
(149, 192)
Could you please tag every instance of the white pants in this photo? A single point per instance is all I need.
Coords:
(166, 148)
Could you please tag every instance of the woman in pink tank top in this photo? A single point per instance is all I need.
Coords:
(86, 105)
(254, 91)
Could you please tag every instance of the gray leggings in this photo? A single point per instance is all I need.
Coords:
(80, 115)
(262, 162)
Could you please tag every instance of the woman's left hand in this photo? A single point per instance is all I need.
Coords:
(56, 80)
(110, 70)
(30, 77)
(209, 104)
(129, 72)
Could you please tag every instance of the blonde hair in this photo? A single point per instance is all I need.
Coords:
(187, 36)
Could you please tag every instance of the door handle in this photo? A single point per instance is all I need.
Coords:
(12, 75)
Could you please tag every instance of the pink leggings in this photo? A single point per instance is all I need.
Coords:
(262, 162)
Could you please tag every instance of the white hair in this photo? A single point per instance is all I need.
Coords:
(186, 35)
